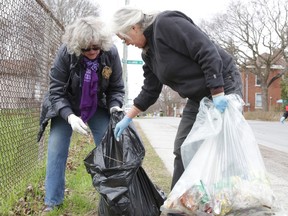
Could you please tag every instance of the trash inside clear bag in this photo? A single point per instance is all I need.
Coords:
(224, 169)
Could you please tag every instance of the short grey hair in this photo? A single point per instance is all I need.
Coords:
(87, 31)
(126, 17)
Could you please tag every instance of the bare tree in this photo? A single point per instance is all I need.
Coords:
(66, 11)
(167, 102)
(255, 33)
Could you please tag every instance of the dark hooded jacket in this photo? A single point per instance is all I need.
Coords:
(66, 78)
(181, 56)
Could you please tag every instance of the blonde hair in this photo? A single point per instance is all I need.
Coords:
(126, 17)
(87, 31)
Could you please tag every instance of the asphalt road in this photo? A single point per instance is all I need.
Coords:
(271, 136)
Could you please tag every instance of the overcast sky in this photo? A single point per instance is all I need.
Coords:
(197, 10)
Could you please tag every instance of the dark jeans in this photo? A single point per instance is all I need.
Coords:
(58, 148)
(233, 84)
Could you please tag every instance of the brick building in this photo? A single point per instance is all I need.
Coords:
(252, 93)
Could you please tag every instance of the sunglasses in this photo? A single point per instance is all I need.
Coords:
(95, 48)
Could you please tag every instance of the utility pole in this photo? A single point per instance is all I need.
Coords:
(125, 72)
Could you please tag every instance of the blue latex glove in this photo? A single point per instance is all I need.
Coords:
(220, 102)
(121, 126)
(282, 119)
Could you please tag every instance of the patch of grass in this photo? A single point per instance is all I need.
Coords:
(81, 198)
(25, 199)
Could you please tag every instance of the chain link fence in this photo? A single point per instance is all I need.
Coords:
(30, 37)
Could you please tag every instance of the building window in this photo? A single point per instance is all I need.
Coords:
(257, 81)
(258, 100)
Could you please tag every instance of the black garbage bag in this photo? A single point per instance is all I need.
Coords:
(115, 168)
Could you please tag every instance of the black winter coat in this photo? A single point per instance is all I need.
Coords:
(182, 56)
(66, 78)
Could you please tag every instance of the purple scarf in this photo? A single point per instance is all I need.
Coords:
(89, 98)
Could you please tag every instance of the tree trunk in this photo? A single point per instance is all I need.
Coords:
(264, 98)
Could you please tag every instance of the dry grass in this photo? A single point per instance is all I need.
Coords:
(263, 116)
(81, 198)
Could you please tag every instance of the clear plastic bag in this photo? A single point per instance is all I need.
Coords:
(224, 169)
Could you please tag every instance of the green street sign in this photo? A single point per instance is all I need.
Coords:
(132, 61)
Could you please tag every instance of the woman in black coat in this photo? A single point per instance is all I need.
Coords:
(179, 54)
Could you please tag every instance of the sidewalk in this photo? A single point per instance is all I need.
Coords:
(161, 137)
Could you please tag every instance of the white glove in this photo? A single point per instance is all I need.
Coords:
(115, 109)
(77, 124)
